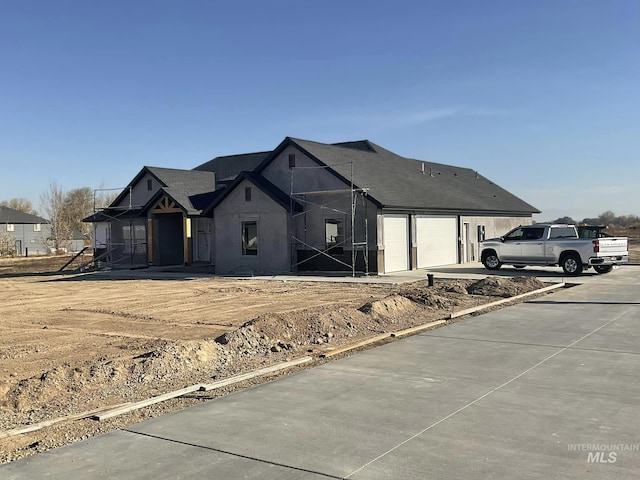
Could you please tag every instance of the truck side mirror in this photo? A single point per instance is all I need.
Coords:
(502, 239)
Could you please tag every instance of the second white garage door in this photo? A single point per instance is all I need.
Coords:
(396, 243)
(437, 240)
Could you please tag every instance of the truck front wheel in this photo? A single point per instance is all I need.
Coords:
(491, 261)
(571, 264)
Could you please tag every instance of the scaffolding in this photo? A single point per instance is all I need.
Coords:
(332, 201)
(112, 253)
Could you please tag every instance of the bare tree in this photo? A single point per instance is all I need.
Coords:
(20, 204)
(66, 210)
(607, 218)
(78, 204)
(52, 202)
(7, 245)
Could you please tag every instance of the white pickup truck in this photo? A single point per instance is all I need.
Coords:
(551, 244)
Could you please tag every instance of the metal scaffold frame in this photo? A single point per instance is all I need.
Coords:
(111, 247)
(356, 196)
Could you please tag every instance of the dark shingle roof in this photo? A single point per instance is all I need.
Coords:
(181, 182)
(229, 167)
(181, 185)
(185, 185)
(9, 215)
(398, 182)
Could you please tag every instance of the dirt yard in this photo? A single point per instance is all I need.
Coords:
(71, 343)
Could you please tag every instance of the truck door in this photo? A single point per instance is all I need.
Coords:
(533, 245)
(511, 248)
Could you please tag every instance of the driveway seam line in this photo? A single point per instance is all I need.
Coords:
(532, 344)
(240, 455)
(404, 442)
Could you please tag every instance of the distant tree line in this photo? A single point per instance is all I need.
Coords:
(20, 204)
(607, 218)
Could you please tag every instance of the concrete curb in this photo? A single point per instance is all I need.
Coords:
(199, 387)
(506, 300)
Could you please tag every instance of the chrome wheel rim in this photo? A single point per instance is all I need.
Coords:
(571, 265)
(492, 261)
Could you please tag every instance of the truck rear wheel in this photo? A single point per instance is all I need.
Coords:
(491, 261)
(571, 264)
(603, 268)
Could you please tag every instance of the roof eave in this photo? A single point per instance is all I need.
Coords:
(457, 211)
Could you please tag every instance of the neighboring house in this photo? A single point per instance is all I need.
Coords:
(77, 242)
(308, 206)
(28, 233)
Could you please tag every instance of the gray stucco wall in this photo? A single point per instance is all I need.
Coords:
(310, 227)
(304, 178)
(493, 226)
(140, 194)
(29, 239)
(273, 233)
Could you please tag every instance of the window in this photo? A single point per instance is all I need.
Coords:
(527, 233)
(533, 233)
(134, 238)
(149, 184)
(514, 235)
(127, 239)
(247, 194)
(334, 235)
(11, 227)
(292, 160)
(249, 238)
(37, 227)
(563, 232)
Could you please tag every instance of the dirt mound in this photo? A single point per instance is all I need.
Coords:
(444, 295)
(389, 306)
(175, 358)
(504, 287)
(293, 331)
(170, 360)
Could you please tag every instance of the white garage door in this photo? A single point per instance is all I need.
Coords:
(396, 243)
(437, 240)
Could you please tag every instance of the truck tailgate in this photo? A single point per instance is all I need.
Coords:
(612, 247)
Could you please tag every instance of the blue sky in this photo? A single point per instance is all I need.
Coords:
(543, 97)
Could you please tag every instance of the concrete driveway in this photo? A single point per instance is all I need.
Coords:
(545, 389)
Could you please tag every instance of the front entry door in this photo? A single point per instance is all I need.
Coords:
(170, 239)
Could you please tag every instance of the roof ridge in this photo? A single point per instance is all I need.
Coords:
(362, 145)
(240, 155)
(177, 169)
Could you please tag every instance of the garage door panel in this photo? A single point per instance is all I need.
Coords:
(396, 243)
(437, 240)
